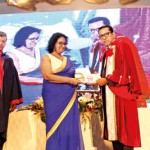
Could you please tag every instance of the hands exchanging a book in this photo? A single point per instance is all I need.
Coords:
(91, 79)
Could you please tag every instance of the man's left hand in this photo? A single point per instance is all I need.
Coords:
(101, 81)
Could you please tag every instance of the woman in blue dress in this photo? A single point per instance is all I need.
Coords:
(63, 131)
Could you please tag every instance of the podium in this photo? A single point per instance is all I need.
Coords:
(26, 131)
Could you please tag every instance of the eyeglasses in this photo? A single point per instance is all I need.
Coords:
(33, 39)
(93, 30)
(104, 36)
(62, 43)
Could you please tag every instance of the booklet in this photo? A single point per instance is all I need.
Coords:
(85, 76)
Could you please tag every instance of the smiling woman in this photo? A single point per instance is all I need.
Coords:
(27, 57)
(59, 91)
(25, 42)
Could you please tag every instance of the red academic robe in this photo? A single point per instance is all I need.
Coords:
(127, 77)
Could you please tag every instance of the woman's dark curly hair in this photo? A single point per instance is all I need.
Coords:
(23, 34)
(53, 40)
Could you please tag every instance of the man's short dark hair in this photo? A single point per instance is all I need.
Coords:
(3, 34)
(96, 19)
(106, 26)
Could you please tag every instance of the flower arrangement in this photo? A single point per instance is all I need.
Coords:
(87, 102)
(90, 101)
(37, 106)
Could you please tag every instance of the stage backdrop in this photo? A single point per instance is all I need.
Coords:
(131, 22)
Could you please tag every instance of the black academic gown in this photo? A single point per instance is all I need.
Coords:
(10, 93)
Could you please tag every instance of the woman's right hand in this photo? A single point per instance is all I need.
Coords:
(74, 81)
